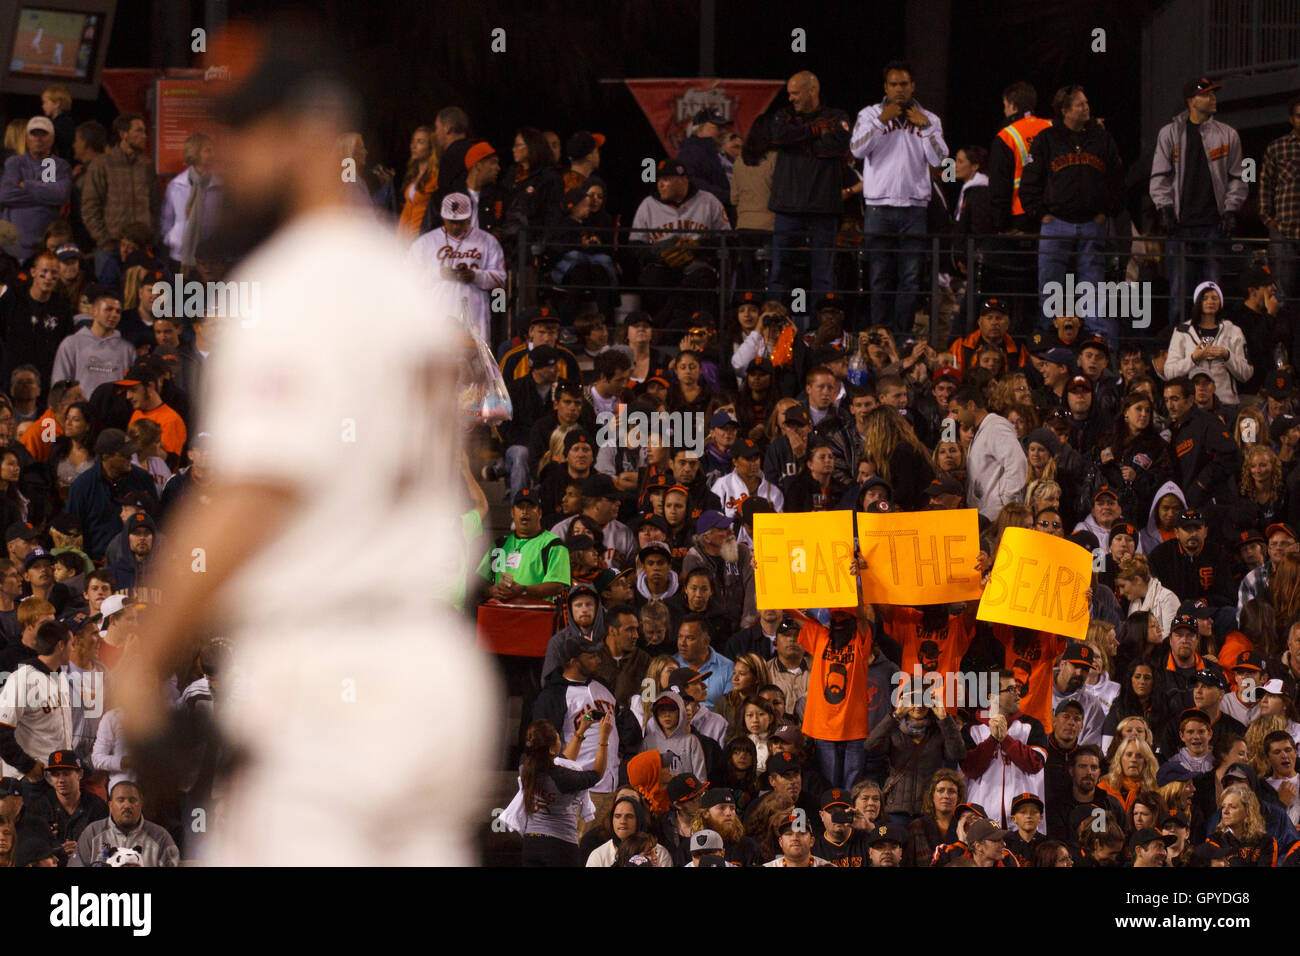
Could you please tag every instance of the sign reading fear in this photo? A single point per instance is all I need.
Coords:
(803, 560)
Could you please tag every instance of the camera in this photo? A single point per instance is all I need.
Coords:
(841, 815)
(875, 338)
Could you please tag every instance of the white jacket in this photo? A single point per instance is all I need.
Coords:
(604, 855)
(1003, 781)
(1225, 372)
(730, 488)
(897, 157)
(1161, 602)
(995, 467)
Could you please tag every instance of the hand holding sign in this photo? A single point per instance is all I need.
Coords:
(1040, 582)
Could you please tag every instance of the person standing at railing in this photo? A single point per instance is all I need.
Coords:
(1279, 202)
(666, 233)
(1197, 189)
(899, 141)
(807, 197)
(1073, 182)
(470, 262)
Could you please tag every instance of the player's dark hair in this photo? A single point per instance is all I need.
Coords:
(94, 135)
(617, 611)
(539, 150)
(970, 392)
(1022, 95)
(99, 574)
(610, 362)
(1182, 383)
(896, 65)
(1086, 750)
(122, 124)
(1061, 101)
(1276, 737)
(455, 119)
(49, 635)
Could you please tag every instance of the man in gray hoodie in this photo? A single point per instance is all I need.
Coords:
(97, 353)
(1197, 189)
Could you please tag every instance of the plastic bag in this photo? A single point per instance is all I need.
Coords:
(484, 398)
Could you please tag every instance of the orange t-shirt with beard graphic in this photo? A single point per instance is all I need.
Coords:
(1030, 656)
(926, 649)
(838, 704)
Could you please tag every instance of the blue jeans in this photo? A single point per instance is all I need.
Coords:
(517, 466)
(788, 233)
(894, 263)
(1062, 245)
(1191, 261)
(841, 761)
(107, 266)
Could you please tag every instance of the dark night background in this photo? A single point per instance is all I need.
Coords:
(416, 56)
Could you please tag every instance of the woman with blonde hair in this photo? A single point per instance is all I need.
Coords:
(1024, 418)
(16, 138)
(1132, 770)
(1126, 729)
(773, 428)
(419, 182)
(1010, 391)
(1241, 828)
(1139, 590)
(1101, 638)
(889, 443)
(748, 677)
(1259, 497)
(660, 670)
(1043, 493)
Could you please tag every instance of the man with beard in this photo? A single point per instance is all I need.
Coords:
(1069, 684)
(718, 813)
(840, 843)
(284, 509)
(835, 712)
(1084, 775)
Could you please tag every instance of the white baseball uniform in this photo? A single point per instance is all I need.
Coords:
(37, 704)
(366, 707)
(435, 251)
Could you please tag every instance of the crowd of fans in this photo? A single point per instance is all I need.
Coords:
(670, 722)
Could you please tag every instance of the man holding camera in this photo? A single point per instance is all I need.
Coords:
(466, 256)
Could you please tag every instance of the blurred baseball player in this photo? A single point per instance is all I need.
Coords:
(333, 417)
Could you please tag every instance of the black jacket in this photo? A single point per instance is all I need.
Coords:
(1204, 455)
(699, 155)
(1072, 176)
(1203, 575)
(1001, 171)
(809, 162)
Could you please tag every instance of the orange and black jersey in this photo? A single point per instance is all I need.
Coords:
(1261, 851)
(852, 852)
(1023, 850)
(515, 364)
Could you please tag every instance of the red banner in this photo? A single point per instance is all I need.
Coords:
(670, 104)
(181, 107)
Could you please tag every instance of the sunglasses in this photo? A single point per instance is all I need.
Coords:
(1049, 524)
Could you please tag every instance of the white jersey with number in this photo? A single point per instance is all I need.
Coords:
(37, 704)
(478, 252)
(341, 386)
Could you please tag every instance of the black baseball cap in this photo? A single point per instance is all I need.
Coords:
(782, 763)
(1198, 86)
(1181, 622)
(140, 521)
(1150, 835)
(526, 496)
(943, 485)
(1210, 679)
(652, 520)
(575, 437)
(994, 304)
(885, 834)
(1093, 342)
(66, 523)
(711, 114)
(717, 797)
(760, 365)
(1255, 276)
(1280, 384)
(1191, 518)
(599, 485)
(685, 786)
(540, 316)
(796, 415)
(681, 676)
(134, 499)
(609, 575)
(577, 646)
(20, 530)
(1068, 703)
(63, 760)
(113, 441)
(754, 505)
(671, 167)
(875, 482)
(745, 448)
(582, 143)
(543, 356)
(655, 547)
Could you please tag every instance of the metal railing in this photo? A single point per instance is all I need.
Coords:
(976, 267)
(1250, 35)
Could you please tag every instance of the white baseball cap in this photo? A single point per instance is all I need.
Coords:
(40, 122)
(1273, 686)
(455, 207)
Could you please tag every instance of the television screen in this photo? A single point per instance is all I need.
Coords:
(55, 43)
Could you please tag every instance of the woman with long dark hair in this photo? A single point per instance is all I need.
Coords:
(534, 187)
(1132, 458)
(1138, 697)
(945, 792)
(553, 790)
(627, 817)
